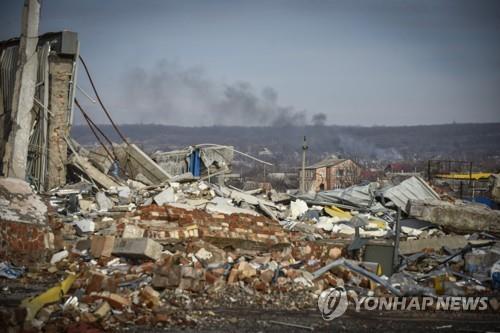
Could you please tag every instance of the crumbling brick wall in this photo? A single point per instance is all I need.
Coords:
(169, 222)
(23, 242)
(61, 71)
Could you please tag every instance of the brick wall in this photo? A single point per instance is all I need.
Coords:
(23, 242)
(170, 223)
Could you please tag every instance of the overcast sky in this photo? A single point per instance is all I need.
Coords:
(284, 62)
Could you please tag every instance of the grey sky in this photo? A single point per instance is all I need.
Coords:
(274, 62)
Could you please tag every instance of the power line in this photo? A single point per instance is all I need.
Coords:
(100, 102)
(93, 128)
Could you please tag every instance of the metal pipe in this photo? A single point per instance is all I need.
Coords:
(395, 261)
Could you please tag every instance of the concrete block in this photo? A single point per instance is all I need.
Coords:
(140, 248)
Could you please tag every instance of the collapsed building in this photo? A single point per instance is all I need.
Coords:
(201, 161)
(106, 238)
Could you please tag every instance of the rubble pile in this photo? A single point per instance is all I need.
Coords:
(168, 254)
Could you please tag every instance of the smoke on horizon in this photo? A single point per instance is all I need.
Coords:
(171, 94)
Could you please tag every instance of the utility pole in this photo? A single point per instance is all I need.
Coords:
(303, 178)
(16, 150)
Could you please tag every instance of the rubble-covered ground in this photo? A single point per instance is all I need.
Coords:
(188, 255)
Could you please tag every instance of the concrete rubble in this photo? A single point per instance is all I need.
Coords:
(459, 217)
(141, 252)
(110, 238)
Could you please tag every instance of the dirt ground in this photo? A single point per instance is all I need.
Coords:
(251, 318)
(255, 320)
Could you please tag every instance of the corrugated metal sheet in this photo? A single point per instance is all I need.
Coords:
(360, 196)
(411, 188)
(8, 62)
(37, 155)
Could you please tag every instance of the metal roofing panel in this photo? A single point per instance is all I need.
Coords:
(411, 188)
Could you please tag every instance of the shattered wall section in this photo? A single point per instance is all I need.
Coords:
(460, 217)
(169, 222)
(24, 231)
(25, 149)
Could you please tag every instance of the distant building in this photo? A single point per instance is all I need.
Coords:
(332, 173)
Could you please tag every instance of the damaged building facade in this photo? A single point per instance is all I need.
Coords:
(331, 173)
(201, 161)
(108, 238)
(34, 125)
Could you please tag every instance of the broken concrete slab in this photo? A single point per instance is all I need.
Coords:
(418, 245)
(143, 179)
(460, 218)
(24, 230)
(140, 162)
(92, 172)
(166, 196)
(100, 159)
(140, 248)
(18, 203)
